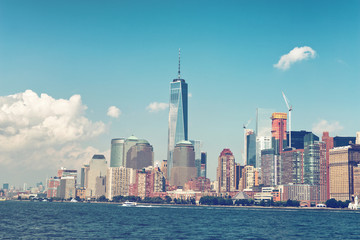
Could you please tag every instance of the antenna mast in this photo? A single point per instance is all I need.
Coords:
(179, 65)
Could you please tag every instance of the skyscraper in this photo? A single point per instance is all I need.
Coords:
(140, 155)
(226, 171)
(278, 132)
(263, 132)
(250, 148)
(178, 116)
(117, 152)
(184, 164)
(197, 149)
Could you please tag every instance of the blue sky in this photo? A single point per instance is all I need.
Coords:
(124, 54)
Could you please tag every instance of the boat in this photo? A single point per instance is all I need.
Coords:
(2, 199)
(73, 200)
(129, 204)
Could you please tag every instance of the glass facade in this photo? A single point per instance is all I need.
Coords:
(251, 150)
(178, 117)
(117, 152)
(311, 159)
(197, 149)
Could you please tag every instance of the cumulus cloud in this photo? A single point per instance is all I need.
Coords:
(40, 132)
(113, 112)
(325, 126)
(295, 55)
(157, 106)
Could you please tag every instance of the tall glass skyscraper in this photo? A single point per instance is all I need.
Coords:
(117, 152)
(178, 116)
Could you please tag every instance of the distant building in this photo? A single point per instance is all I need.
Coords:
(197, 149)
(301, 192)
(311, 159)
(117, 152)
(343, 141)
(250, 148)
(291, 170)
(128, 144)
(226, 172)
(97, 167)
(342, 163)
(297, 139)
(263, 132)
(163, 168)
(249, 177)
(140, 155)
(203, 164)
(118, 181)
(6, 186)
(100, 186)
(329, 142)
(178, 117)
(200, 184)
(357, 180)
(268, 167)
(52, 186)
(66, 189)
(358, 138)
(147, 182)
(278, 132)
(63, 172)
(183, 168)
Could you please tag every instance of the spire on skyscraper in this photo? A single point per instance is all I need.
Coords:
(179, 65)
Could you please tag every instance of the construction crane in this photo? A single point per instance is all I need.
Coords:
(245, 126)
(290, 108)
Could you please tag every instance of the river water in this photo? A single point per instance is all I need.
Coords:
(46, 220)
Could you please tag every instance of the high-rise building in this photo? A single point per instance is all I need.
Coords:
(249, 178)
(297, 139)
(52, 186)
(197, 149)
(140, 155)
(357, 138)
(128, 144)
(148, 181)
(263, 132)
(163, 168)
(178, 116)
(66, 189)
(250, 148)
(343, 141)
(268, 167)
(6, 186)
(342, 162)
(291, 166)
(311, 159)
(329, 142)
(118, 181)
(278, 132)
(183, 164)
(357, 180)
(262, 143)
(203, 164)
(324, 173)
(226, 172)
(97, 167)
(117, 152)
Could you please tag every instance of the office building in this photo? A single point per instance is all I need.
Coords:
(357, 138)
(178, 116)
(128, 144)
(118, 181)
(250, 148)
(343, 141)
(291, 171)
(52, 186)
(140, 155)
(329, 142)
(297, 139)
(311, 159)
(197, 149)
(148, 181)
(226, 172)
(6, 186)
(263, 132)
(278, 132)
(341, 169)
(268, 167)
(117, 152)
(97, 167)
(66, 189)
(203, 164)
(183, 168)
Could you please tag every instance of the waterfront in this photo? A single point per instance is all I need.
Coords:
(39, 220)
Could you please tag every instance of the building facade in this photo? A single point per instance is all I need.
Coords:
(178, 117)
(226, 172)
(278, 132)
(118, 181)
(117, 152)
(140, 155)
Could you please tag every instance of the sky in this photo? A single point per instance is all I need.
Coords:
(75, 74)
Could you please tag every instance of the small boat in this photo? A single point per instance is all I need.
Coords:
(73, 200)
(129, 204)
(2, 199)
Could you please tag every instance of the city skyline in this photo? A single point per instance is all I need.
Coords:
(109, 65)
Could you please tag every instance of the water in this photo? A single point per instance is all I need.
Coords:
(45, 220)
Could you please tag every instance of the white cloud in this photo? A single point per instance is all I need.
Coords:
(40, 132)
(295, 55)
(325, 126)
(113, 112)
(189, 95)
(157, 106)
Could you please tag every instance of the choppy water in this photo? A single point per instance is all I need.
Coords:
(38, 220)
